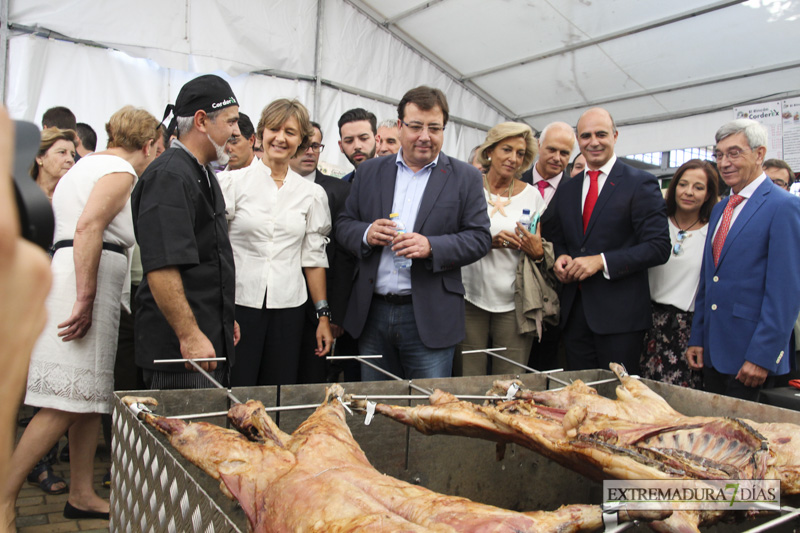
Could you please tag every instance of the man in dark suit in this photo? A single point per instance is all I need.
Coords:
(339, 274)
(556, 143)
(609, 226)
(414, 316)
(748, 300)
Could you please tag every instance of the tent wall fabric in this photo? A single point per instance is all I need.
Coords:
(669, 72)
(148, 58)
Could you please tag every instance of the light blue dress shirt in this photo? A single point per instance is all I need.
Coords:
(409, 187)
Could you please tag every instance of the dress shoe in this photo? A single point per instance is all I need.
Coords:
(73, 513)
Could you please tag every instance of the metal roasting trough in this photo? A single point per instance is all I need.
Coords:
(155, 489)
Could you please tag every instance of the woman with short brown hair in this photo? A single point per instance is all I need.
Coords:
(278, 222)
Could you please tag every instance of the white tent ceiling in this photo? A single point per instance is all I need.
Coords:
(669, 72)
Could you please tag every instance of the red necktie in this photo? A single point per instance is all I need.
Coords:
(591, 197)
(725, 225)
(542, 184)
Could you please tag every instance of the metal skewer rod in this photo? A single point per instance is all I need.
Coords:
(490, 351)
(208, 376)
(334, 357)
(398, 378)
(420, 397)
(794, 513)
(268, 409)
(590, 383)
(201, 360)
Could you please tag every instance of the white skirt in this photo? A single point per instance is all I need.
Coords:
(78, 376)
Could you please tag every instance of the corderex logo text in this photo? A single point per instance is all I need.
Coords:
(695, 495)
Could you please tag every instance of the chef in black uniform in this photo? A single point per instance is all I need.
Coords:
(186, 299)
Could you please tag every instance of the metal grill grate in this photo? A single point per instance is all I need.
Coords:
(151, 491)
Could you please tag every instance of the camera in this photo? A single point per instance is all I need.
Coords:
(35, 212)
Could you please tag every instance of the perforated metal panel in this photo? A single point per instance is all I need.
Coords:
(151, 491)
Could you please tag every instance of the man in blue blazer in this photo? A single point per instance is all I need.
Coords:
(608, 226)
(413, 316)
(748, 299)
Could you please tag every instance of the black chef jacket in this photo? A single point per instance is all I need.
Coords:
(179, 220)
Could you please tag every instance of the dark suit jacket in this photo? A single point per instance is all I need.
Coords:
(629, 226)
(527, 177)
(340, 262)
(746, 306)
(452, 215)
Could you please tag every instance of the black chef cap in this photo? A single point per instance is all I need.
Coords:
(209, 93)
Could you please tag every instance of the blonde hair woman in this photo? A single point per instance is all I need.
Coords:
(509, 150)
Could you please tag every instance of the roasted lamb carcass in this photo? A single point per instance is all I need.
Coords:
(598, 446)
(318, 479)
(601, 446)
(637, 403)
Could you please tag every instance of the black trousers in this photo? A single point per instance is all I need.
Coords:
(727, 384)
(586, 349)
(545, 355)
(269, 350)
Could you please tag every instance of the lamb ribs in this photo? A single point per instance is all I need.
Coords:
(318, 479)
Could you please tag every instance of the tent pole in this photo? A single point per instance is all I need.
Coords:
(318, 61)
(4, 33)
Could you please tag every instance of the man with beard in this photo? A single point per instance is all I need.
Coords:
(186, 299)
(357, 130)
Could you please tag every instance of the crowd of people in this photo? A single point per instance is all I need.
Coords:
(211, 238)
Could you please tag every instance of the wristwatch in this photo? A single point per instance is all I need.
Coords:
(324, 311)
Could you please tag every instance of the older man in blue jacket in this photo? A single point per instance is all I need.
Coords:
(748, 300)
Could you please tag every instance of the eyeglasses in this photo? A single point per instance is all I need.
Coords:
(417, 127)
(316, 147)
(779, 183)
(732, 154)
(677, 249)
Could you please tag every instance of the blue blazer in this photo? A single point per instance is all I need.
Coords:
(747, 305)
(628, 225)
(452, 215)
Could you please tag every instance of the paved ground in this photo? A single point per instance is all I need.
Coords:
(40, 513)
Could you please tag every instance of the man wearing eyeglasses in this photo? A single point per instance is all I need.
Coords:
(748, 300)
(240, 146)
(608, 226)
(779, 172)
(414, 316)
(339, 274)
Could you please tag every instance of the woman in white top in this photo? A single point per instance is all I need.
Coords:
(278, 226)
(71, 374)
(509, 150)
(691, 194)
